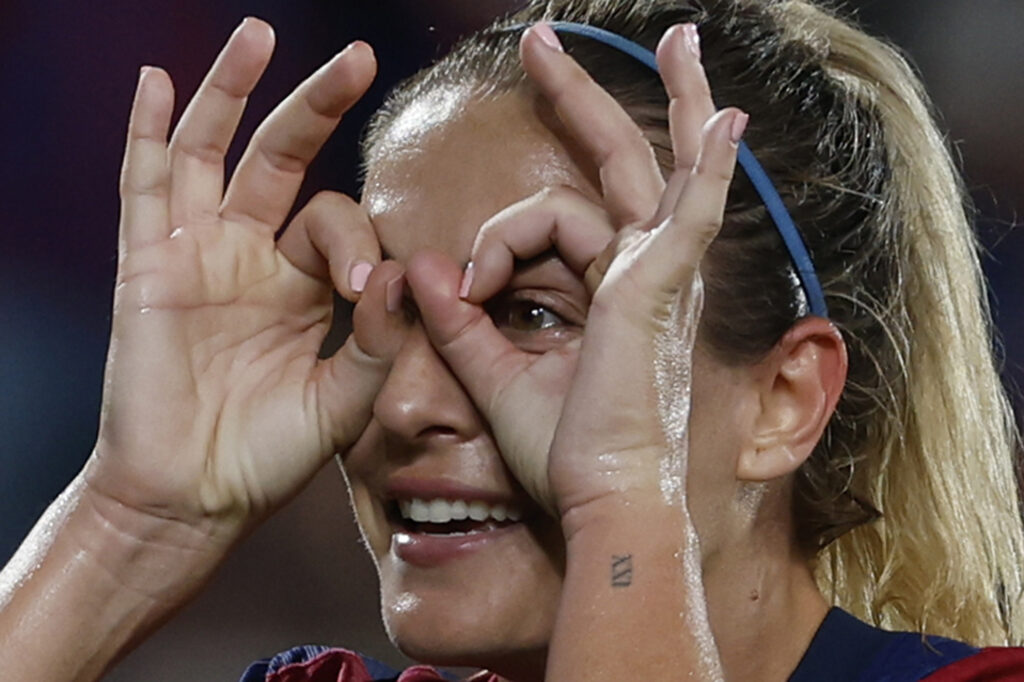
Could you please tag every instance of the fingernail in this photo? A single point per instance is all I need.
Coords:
(548, 35)
(358, 275)
(739, 126)
(393, 294)
(467, 280)
(692, 39)
(143, 70)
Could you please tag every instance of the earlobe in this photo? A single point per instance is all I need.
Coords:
(801, 381)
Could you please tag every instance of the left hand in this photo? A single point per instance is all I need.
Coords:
(639, 255)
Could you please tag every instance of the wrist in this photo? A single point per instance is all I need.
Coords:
(89, 581)
(634, 509)
(164, 559)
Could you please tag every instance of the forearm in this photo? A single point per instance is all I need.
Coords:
(633, 604)
(89, 581)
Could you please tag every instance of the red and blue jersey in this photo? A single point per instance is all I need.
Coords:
(844, 649)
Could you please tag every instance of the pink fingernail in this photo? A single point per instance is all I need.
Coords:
(739, 126)
(692, 39)
(548, 36)
(467, 281)
(358, 276)
(393, 294)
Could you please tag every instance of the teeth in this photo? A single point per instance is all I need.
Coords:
(479, 511)
(460, 510)
(442, 511)
(419, 511)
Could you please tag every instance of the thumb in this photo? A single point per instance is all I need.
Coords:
(348, 382)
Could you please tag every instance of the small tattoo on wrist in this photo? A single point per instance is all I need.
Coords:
(622, 570)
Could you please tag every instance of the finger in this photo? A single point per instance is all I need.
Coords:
(598, 268)
(145, 181)
(479, 354)
(348, 382)
(274, 164)
(690, 105)
(204, 133)
(378, 318)
(678, 245)
(630, 178)
(558, 217)
(332, 239)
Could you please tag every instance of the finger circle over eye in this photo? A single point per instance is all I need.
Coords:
(559, 218)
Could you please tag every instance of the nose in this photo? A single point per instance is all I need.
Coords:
(421, 399)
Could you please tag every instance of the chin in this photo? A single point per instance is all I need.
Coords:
(449, 643)
(491, 607)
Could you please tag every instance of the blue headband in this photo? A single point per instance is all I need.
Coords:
(755, 173)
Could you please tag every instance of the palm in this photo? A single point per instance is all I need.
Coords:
(218, 347)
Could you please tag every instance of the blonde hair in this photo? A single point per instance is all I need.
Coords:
(946, 555)
(923, 433)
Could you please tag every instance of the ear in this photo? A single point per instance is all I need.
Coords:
(800, 382)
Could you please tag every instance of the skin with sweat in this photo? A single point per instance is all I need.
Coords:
(433, 181)
(130, 543)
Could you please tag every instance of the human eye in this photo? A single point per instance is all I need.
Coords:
(533, 321)
(524, 315)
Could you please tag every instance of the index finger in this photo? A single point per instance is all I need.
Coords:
(630, 178)
(273, 166)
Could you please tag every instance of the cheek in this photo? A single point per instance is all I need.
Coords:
(363, 466)
(716, 421)
(719, 429)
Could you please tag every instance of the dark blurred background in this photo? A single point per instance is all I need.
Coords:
(67, 73)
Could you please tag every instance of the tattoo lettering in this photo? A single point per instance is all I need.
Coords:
(622, 570)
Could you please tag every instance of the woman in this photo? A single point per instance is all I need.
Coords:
(542, 501)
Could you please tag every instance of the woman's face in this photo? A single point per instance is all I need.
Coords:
(469, 592)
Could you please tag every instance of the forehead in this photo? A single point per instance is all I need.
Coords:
(449, 161)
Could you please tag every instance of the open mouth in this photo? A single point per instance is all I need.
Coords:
(451, 517)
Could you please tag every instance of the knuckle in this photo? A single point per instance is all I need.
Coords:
(282, 159)
(710, 170)
(208, 152)
(560, 197)
(557, 193)
(707, 229)
(139, 182)
(226, 90)
(327, 109)
(330, 200)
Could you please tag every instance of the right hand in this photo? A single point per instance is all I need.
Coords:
(216, 408)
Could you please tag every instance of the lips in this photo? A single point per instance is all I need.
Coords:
(440, 520)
